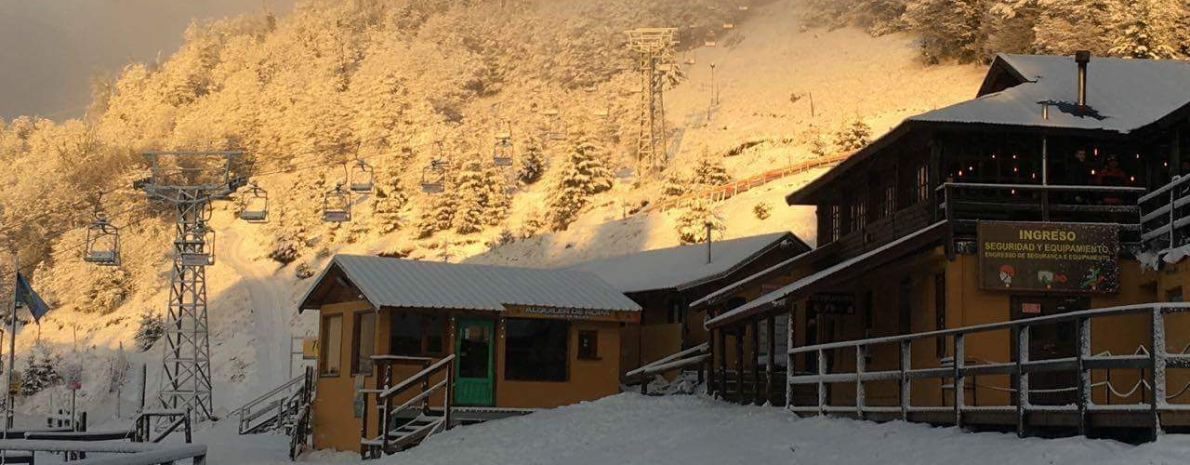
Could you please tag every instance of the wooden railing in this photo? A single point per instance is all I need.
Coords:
(131, 453)
(734, 188)
(699, 356)
(386, 393)
(299, 432)
(1165, 215)
(1154, 361)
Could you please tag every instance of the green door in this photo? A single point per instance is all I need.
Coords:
(473, 368)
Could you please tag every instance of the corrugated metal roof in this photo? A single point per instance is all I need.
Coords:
(391, 282)
(683, 266)
(1124, 95)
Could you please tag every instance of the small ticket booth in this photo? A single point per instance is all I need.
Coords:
(522, 338)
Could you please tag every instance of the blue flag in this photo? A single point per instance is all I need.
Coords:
(26, 296)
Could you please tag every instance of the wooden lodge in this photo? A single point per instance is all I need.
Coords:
(1012, 262)
(400, 339)
(666, 281)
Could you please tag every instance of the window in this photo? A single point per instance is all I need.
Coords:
(836, 223)
(676, 311)
(535, 350)
(330, 354)
(1174, 295)
(417, 335)
(890, 199)
(859, 213)
(940, 311)
(363, 330)
(905, 302)
(588, 345)
(923, 183)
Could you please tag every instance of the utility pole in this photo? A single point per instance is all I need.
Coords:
(654, 48)
(189, 181)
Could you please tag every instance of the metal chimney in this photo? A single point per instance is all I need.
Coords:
(1082, 57)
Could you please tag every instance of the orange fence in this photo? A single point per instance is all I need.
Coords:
(727, 191)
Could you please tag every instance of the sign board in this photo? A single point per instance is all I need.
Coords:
(358, 401)
(1031, 308)
(559, 313)
(309, 348)
(1049, 257)
(14, 388)
(832, 303)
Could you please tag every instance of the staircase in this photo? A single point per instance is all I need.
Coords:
(275, 409)
(400, 434)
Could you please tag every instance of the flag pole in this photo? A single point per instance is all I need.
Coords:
(12, 347)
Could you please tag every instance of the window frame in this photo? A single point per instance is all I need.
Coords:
(424, 321)
(512, 354)
(357, 360)
(324, 341)
(592, 353)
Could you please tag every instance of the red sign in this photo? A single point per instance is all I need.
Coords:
(1031, 308)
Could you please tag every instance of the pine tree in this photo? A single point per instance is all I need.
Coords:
(472, 199)
(949, 29)
(675, 185)
(854, 135)
(692, 224)
(387, 206)
(40, 372)
(439, 216)
(533, 164)
(710, 172)
(1065, 26)
(149, 331)
(1144, 29)
(585, 174)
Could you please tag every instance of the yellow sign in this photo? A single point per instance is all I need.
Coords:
(309, 348)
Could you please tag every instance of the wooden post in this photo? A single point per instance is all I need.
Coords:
(959, 382)
(713, 344)
(722, 391)
(385, 381)
(756, 362)
(448, 400)
(739, 362)
(770, 366)
(906, 365)
(821, 383)
(1022, 380)
(861, 362)
(1083, 328)
(1157, 358)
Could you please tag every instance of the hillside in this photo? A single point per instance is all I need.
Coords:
(400, 83)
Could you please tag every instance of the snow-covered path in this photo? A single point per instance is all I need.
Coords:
(270, 313)
(686, 430)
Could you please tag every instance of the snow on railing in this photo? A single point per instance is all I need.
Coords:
(131, 453)
(734, 188)
(1153, 361)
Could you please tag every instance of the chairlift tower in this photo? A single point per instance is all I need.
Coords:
(190, 181)
(654, 50)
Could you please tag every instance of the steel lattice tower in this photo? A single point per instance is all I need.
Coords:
(189, 181)
(654, 49)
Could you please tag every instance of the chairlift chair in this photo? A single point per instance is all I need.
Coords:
(336, 205)
(432, 177)
(728, 26)
(103, 243)
(362, 176)
(197, 251)
(557, 126)
(502, 152)
(743, 8)
(256, 205)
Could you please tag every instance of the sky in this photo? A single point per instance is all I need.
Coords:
(51, 49)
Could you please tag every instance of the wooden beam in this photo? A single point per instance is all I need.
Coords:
(770, 367)
(739, 362)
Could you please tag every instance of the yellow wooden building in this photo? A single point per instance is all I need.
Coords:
(505, 339)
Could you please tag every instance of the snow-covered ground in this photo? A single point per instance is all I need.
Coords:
(692, 430)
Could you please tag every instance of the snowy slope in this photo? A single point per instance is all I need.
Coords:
(630, 429)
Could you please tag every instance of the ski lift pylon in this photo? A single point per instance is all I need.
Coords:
(361, 176)
(256, 205)
(336, 205)
(196, 249)
(103, 242)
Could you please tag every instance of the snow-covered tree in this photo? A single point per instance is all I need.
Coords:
(948, 28)
(41, 370)
(675, 185)
(584, 173)
(149, 331)
(109, 288)
(482, 196)
(1065, 26)
(533, 162)
(1145, 29)
(854, 135)
(763, 210)
(692, 224)
(709, 171)
(440, 214)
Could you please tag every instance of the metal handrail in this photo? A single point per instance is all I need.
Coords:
(1154, 362)
(267, 396)
(652, 368)
(1039, 187)
(385, 395)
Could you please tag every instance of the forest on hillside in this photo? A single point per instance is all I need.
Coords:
(397, 83)
(975, 30)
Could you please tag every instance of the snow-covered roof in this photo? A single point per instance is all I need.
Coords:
(889, 251)
(391, 282)
(685, 266)
(1123, 95)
